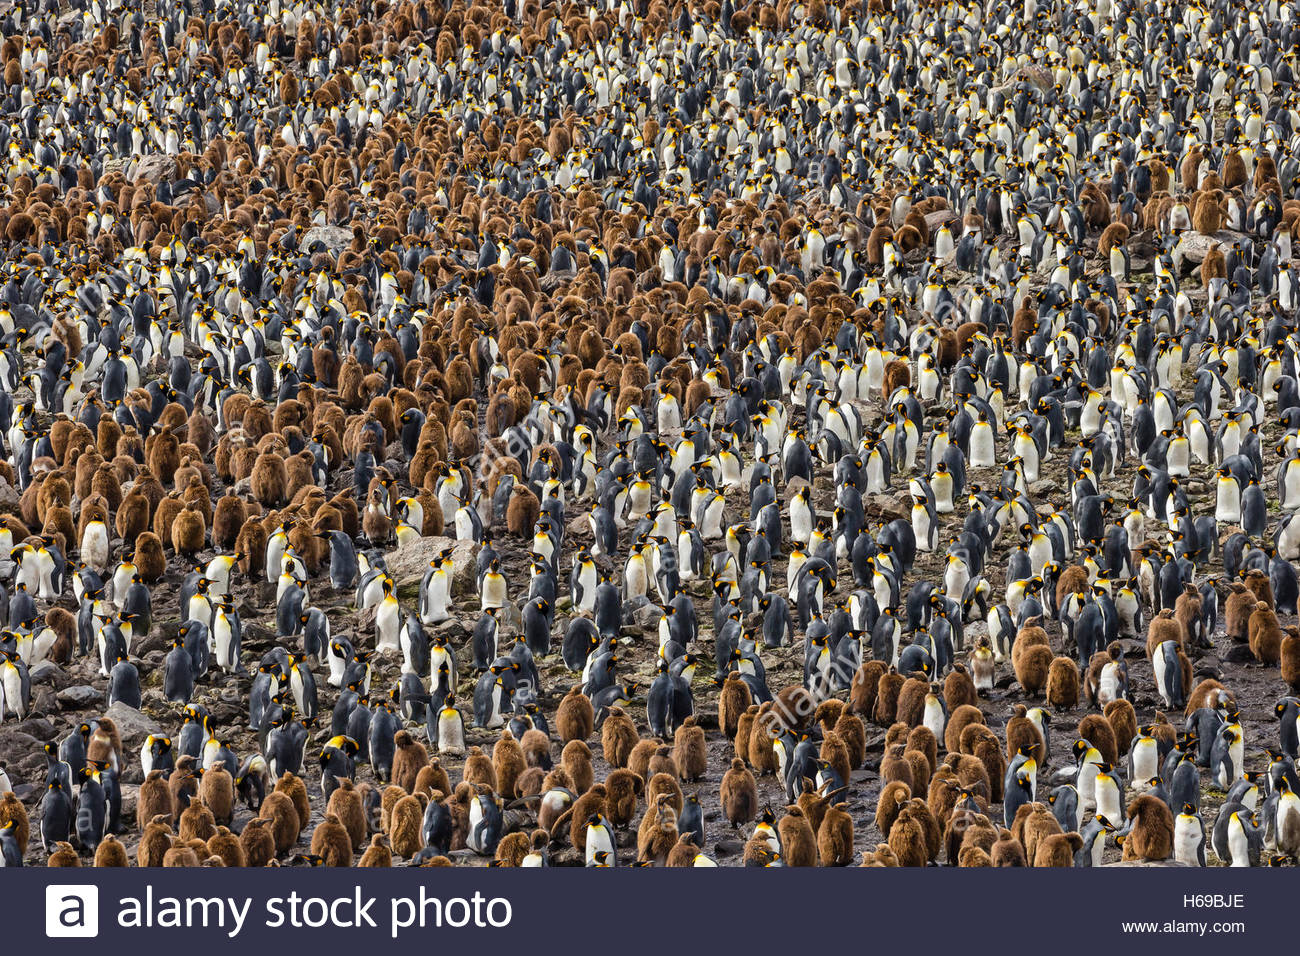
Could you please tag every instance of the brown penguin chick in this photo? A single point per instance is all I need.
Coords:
(478, 769)
(1151, 835)
(269, 481)
(622, 790)
(1123, 723)
(150, 559)
(853, 733)
(1063, 684)
(1097, 730)
(111, 853)
(618, 735)
(1072, 580)
(251, 543)
(689, 750)
(907, 837)
(974, 772)
(378, 854)
(1023, 734)
(887, 691)
(1034, 822)
(883, 856)
(576, 760)
(835, 837)
(511, 850)
(388, 798)
(1116, 234)
(537, 748)
(405, 826)
(409, 757)
(920, 769)
(278, 810)
(1258, 584)
(522, 511)
(1208, 693)
(155, 840)
(958, 720)
(894, 766)
(258, 842)
(660, 783)
(798, 842)
(738, 794)
(331, 842)
(657, 834)
(154, 799)
(188, 532)
(1265, 635)
(922, 740)
(217, 791)
(63, 855)
(196, 822)
(292, 786)
(1024, 323)
(508, 762)
(105, 744)
(530, 782)
(183, 784)
(734, 698)
(181, 854)
(346, 806)
(1032, 669)
(1030, 635)
(1213, 266)
(988, 753)
(683, 853)
(575, 718)
(911, 701)
(1007, 851)
(762, 756)
(1207, 215)
(226, 845)
(228, 519)
(1187, 612)
(1237, 609)
(897, 375)
(744, 730)
(974, 856)
(959, 688)
(638, 761)
(582, 810)
(1289, 658)
(661, 762)
(432, 777)
(864, 686)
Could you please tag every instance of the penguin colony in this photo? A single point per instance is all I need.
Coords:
(644, 433)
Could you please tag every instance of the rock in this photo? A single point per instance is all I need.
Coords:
(408, 563)
(79, 696)
(1131, 648)
(646, 615)
(1194, 246)
(728, 847)
(334, 239)
(886, 507)
(1045, 486)
(48, 672)
(132, 725)
(9, 499)
(940, 217)
(38, 727)
(154, 169)
(1239, 654)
